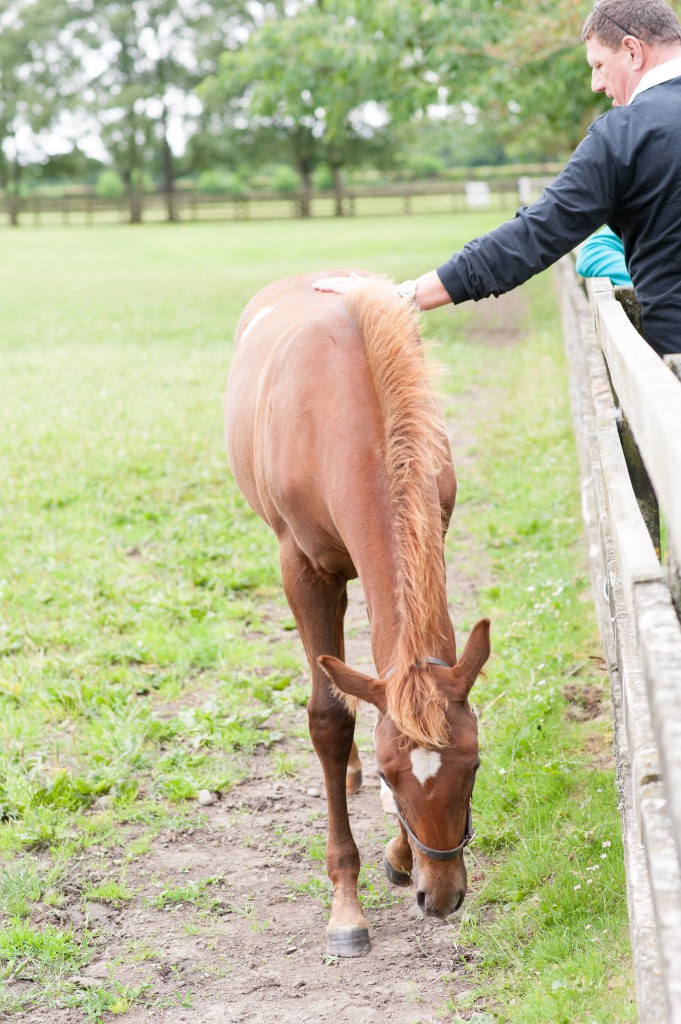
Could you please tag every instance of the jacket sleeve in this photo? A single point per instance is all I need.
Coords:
(580, 200)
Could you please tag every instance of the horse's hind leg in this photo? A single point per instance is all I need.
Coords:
(353, 778)
(315, 602)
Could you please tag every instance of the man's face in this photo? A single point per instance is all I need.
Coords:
(612, 71)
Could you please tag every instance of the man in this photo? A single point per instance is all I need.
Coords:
(625, 173)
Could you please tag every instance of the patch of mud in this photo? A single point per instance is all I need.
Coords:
(258, 955)
(586, 702)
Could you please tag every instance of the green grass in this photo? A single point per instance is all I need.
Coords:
(137, 664)
(549, 917)
(195, 893)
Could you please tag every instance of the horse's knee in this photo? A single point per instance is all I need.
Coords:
(332, 727)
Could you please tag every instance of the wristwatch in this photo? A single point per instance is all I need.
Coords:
(407, 290)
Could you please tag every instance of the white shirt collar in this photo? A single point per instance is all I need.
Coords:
(656, 76)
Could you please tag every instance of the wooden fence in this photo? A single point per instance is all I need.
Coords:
(626, 405)
(424, 197)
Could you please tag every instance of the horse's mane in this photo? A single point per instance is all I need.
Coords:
(414, 448)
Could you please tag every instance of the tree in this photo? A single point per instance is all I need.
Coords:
(317, 82)
(524, 70)
(31, 63)
(155, 52)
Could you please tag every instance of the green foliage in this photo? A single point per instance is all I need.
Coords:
(322, 177)
(221, 181)
(285, 179)
(195, 893)
(109, 184)
(422, 166)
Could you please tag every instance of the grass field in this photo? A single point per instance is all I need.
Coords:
(132, 575)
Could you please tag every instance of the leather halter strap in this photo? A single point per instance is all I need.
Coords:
(427, 661)
(469, 832)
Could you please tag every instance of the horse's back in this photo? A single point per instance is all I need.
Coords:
(298, 391)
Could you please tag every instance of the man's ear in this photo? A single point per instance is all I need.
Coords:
(353, 683)
(475, 654)
(635, 50)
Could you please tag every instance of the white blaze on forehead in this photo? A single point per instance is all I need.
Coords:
(256, 320)
(425, 763)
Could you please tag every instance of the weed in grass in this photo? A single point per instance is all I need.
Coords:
(44, 957)
(312, 846)
(113, 891)
(113, 998)
(244, 909)
(283, 765)
(193, 892)
(140, 846)
(20, 887)
(204, 923)
(140, 951)
(372, 891)
(314, 888)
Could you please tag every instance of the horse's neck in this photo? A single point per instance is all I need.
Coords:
(378, 571)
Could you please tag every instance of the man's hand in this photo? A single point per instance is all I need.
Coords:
(339, 285)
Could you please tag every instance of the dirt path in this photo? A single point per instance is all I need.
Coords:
(255, 952)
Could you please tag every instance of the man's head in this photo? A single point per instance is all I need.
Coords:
(625, 39)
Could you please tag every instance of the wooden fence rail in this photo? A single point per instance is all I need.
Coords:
(405, 198)
(626, 406)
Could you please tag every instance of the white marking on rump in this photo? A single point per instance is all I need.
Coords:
(425, 763)
(256, 320)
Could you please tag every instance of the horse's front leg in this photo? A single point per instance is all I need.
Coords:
(353, 779)
(315, 602)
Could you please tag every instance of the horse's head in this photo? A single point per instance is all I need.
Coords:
(431, 786)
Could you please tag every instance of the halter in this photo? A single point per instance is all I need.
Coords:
(469, 831)
(424, 661)
(468, 834)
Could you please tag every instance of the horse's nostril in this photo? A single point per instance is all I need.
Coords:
(421, 900)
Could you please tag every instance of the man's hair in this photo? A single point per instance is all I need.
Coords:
(651, 21)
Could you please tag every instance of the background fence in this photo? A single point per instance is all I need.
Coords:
(626, 407)
(406, 198)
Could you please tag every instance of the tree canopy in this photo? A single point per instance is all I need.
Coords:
(339, 83)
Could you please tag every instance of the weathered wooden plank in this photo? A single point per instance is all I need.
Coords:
(659, 643)
(650, 396)
(587, 374)
(636, 555)
(665, 879)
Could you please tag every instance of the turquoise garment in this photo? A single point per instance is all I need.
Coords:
(602, 255)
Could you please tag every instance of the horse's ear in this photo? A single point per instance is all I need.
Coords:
(475, 654)
(353, 683)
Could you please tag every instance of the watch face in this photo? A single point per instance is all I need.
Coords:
(407, 290)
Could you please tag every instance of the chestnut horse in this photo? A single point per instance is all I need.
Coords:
(334, 437)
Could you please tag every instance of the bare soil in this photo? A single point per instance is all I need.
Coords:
(259, 957)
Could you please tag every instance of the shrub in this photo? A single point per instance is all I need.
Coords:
(285, 179)
(109, 184)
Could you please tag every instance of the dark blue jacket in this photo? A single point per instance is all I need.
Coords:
(625, 173)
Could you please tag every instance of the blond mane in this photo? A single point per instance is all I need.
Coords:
(415, 446)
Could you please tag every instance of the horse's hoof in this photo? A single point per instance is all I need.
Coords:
(395, 876)
(348, 942)
(353, 782)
